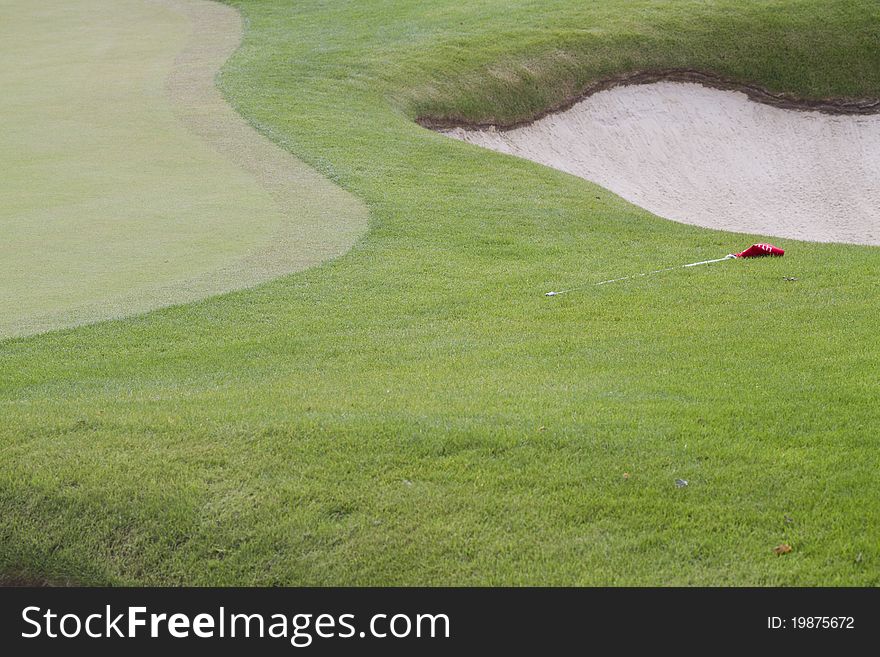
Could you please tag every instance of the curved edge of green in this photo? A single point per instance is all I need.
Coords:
(300, 218)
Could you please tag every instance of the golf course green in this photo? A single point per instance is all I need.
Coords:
(414, 410)
(129, 184)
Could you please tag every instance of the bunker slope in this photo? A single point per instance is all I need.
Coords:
(714, 158)
(129, 183)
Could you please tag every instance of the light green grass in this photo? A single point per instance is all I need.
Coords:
(417, 412)
(109, 205)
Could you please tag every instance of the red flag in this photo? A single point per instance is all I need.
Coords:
(760, 250)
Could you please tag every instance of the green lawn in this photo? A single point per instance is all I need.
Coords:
(115, 198)
(417, 412)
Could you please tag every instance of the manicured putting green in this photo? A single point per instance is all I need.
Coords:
(129, 184)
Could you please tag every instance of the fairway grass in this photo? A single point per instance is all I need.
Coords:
(416, 411)
(129, 183)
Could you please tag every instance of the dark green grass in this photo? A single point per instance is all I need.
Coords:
(417, 412)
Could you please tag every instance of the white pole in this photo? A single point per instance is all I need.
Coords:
(626, 278)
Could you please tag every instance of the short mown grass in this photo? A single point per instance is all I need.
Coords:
(417, 412)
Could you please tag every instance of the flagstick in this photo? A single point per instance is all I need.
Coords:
(626, 278)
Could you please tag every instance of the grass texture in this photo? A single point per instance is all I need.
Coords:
(417, 412)
(114, 202)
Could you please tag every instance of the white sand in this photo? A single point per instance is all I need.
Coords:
(715, 158)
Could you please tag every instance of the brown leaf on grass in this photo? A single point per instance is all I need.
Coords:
(784, 548)
(626, 475)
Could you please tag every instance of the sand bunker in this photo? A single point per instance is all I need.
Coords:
(714, 158)
(129, 183)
